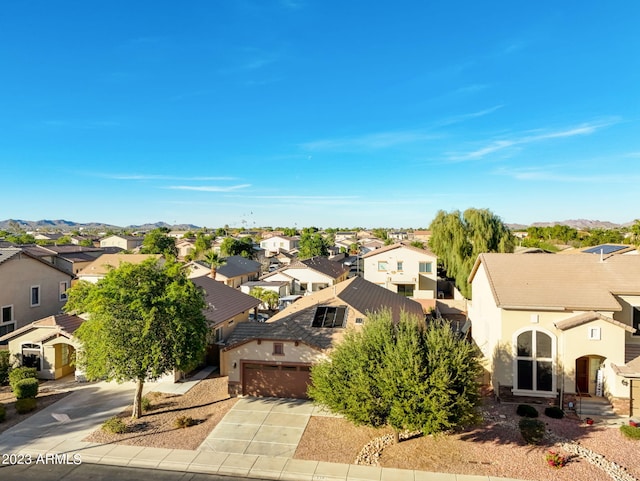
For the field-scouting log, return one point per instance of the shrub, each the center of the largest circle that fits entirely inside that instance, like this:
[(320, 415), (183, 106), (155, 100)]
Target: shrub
[(555, 460), (532, 430), (26, 388), (184, 422), (554, 412), (145, 403), (3, 412), (114, 425), (5, 367), (632, 432), (526, 411), (26, 405), (20, 373)]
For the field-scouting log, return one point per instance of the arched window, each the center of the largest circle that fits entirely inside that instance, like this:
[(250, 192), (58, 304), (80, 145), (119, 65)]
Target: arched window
[(534, 361)]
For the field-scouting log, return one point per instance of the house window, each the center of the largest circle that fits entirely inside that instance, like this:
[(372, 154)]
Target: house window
[(594, 333), (7, 314), (35, 296), (217, 335), (382, 265), (405, 290), (399, 266), (534, 361), (278, 349), (636, 320), (64, 285), (425, 267)]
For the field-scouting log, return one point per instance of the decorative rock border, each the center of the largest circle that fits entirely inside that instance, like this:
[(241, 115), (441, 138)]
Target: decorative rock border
[(370, 454)]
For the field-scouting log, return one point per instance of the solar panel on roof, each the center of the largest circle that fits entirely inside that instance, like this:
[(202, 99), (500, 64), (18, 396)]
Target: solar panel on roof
[(604, 249)]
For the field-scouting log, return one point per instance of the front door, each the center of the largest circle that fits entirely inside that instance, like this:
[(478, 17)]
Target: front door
[(582, 375)]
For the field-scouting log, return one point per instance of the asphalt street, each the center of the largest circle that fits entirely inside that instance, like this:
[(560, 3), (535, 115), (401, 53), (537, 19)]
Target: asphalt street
[(101, 472)]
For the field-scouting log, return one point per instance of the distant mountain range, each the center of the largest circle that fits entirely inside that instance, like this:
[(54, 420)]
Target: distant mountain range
[(61, 225)]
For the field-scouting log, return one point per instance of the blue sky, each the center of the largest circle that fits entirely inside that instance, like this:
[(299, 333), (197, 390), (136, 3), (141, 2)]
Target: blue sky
[(326, 113)]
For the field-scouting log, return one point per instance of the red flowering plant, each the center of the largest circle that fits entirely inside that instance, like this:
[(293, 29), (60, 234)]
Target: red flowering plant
[(555, 460)]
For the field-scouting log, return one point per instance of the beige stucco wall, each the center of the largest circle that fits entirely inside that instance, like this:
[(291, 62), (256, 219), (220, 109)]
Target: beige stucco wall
[(51, 352), (626, 315), (425, 284), (17, 275), (262, 351)]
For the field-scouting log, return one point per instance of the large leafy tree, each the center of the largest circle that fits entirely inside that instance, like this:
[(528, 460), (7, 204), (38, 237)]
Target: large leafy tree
[(458, 238), (312, 244), (143, 321), (268, 297), (408, 375), (237, 247), (157, 241)]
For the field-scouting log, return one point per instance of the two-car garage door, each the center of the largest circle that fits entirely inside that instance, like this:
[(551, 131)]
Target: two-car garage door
[(275, 380)]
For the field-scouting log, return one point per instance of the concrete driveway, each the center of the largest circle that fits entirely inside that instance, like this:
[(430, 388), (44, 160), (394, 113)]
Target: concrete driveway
[(263, 426)]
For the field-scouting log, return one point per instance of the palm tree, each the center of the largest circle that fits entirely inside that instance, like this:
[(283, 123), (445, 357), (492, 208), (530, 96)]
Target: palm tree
[(214, 260)]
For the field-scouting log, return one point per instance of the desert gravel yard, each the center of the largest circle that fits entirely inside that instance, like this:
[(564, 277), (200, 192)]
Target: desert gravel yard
[(45, 398), (494, 448)]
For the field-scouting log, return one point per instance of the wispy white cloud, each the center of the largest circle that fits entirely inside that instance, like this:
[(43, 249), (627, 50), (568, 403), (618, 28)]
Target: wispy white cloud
[(526, 138), (456, 119), (380, 140), (558, 174), (209, 188), (159, 177)]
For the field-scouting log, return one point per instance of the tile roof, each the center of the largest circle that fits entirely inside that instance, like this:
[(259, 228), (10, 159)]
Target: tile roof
[(398, 245), (236, 266), (320, 264), (632, 360), (224, 302), (294, 322), (8, 252), (585, 317), (103, 264), (57, 324), (580, 282)]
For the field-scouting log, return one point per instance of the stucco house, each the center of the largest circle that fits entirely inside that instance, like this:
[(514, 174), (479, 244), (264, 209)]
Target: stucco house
[(558, 327), (126, 242), (404, 269), (99, 268), (274, 358), (31, 289), (279, 243), (47, 345), (226, 308), (310, 275)]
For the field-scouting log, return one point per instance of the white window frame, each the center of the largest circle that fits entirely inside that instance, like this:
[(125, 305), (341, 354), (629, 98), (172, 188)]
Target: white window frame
[(594, 333), (554, 378), (10, 322), (63, 296), (428, 267), (383, 266), (31, 303)]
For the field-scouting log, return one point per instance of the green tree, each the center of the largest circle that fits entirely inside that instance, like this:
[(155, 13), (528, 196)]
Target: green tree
[(215, 261), (237, 247), (380, 233), (289, 231), (312, 244), (458, 238), (143, 321), (158, 242), (405, 374), (268, 297), (635, 232)]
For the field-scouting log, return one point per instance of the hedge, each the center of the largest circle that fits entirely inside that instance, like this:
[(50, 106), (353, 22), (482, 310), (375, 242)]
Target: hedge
[(26, 388)]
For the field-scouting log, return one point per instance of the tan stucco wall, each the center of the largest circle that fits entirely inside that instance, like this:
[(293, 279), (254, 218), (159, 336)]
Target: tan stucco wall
[(626, 315), (410, 274), (51, 354), (17, 275)]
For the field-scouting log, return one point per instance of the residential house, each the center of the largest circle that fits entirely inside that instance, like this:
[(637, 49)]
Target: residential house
[(350, 237), (237, 270), (185, 247), (279, 287), (31, 289), (99, 268), (48, 236), (70, 258), (310, 275), (279, 243), (368, 245), (557, 327), (226, 309), (48, 345), (421, 235), (125, 242), (398, 235), (274, 358), (407, 270)]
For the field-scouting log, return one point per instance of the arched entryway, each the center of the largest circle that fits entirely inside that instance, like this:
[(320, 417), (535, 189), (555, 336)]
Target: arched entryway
[(589, 380), (64, 363)]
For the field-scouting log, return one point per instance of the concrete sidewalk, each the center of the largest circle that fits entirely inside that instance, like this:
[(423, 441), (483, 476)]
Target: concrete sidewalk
[(60, 428)]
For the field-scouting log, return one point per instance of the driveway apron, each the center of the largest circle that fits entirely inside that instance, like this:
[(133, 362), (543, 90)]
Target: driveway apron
[(261, 426)]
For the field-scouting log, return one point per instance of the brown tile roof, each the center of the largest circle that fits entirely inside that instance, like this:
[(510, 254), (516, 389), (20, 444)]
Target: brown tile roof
[(632, 360), (585, 317), (64, 324), (319, 264), (398, 245), (236, 266), (559, 282), (224, 302), (294, 322)]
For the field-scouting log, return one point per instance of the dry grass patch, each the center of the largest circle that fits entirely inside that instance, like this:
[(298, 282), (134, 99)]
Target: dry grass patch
[(206, 403)]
